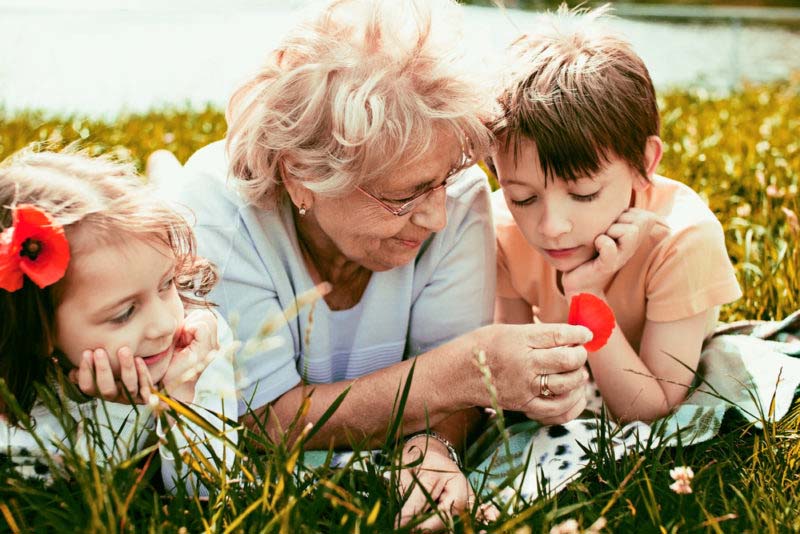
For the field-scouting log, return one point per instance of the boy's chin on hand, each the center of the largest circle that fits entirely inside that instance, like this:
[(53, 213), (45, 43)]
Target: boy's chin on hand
[(580, 280)]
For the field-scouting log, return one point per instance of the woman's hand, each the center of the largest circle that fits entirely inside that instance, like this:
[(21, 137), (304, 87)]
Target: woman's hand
[(518, 356), (441, 479), (614, 248), (195, 348), (95, 377)]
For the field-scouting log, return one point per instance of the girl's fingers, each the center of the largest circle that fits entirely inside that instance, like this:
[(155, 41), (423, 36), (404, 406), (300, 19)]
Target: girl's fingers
[(144, 379), (104, 377), (85, 374), (128, 373)]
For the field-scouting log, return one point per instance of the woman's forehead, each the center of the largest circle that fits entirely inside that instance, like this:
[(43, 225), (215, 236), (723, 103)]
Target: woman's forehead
[(431, 167)]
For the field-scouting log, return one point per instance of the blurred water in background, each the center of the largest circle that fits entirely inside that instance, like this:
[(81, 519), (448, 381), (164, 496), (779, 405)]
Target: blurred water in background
[(105, 56)]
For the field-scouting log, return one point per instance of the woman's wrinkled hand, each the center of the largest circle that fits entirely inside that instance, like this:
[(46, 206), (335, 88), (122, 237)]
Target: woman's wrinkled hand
[(431, 471), (518, 356)]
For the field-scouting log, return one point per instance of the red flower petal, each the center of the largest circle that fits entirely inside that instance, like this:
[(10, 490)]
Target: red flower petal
[(50, 264), (592, 312), (10, 273)]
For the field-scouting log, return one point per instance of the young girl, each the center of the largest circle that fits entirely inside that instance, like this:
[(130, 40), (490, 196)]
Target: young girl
[(95, 279)]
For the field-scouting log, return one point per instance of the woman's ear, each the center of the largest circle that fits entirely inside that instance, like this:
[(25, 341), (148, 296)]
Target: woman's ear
[(653, 150), (301, 196)]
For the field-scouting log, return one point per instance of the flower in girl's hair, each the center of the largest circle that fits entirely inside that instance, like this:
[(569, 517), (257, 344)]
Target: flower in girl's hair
[(592, 312), (683, 477), (34, 246)]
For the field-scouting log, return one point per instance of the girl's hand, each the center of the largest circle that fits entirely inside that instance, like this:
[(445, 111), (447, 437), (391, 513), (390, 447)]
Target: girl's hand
[(441, 479), (194, 350), (614, 248), (95, 377)]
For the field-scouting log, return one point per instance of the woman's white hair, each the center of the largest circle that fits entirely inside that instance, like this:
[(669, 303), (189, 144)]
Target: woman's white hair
[(362, 89)]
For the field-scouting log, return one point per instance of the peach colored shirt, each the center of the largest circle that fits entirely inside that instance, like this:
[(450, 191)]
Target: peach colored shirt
[(680, 271)]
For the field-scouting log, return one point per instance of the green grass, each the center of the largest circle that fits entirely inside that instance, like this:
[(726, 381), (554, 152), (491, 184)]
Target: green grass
[(741, 152)]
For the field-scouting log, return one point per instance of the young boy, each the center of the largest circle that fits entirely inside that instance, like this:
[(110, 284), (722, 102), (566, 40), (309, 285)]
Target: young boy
[(582, 210)]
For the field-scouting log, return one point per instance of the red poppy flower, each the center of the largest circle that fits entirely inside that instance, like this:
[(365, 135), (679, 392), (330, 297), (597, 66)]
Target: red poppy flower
[(34, 246), (592, 312)]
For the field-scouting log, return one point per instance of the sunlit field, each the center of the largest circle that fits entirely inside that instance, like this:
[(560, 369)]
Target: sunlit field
[(740, 152)]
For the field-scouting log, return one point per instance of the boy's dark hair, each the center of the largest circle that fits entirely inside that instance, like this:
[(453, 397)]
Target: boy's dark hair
[(580, 93)]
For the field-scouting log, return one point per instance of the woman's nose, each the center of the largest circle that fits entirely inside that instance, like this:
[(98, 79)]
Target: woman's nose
[(432, 213)]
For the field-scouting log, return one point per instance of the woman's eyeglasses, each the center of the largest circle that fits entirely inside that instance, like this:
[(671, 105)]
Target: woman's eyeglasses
[(415, 201)]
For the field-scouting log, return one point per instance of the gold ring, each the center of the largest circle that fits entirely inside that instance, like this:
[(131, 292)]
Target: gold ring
[(544, 391)]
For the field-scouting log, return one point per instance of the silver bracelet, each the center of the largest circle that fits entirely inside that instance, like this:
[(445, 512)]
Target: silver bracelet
[(451, 450)]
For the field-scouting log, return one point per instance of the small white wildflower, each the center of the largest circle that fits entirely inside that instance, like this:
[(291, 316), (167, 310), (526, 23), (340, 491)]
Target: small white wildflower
[(570, 526), (681, 487), (744, 210), (682, 473), (597, 526)]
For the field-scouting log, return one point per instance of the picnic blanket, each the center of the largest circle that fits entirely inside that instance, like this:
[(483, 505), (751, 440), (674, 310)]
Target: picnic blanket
[(749, 366)]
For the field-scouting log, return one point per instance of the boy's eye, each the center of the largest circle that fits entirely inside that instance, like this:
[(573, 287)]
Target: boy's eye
[(124, 316), (585, 198), (525, 202)]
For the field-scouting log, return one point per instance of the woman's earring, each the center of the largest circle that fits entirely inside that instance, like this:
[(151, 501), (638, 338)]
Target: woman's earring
[(302, 211)]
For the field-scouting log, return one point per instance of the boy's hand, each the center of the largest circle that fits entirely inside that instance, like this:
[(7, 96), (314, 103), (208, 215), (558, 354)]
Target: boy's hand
[(194, 350), (95, 377), (614, 248)]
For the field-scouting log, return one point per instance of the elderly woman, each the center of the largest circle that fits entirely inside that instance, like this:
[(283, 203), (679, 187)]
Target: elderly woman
[(349, 160)]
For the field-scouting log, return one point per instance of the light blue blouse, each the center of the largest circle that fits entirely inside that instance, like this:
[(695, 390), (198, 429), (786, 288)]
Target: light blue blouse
[(446, 291)]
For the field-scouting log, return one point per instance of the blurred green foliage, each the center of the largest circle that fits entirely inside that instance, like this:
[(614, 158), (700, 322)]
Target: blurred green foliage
[(741, 152)]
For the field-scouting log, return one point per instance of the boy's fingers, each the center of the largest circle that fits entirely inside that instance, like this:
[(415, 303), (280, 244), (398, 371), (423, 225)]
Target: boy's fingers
[(618, 230), (607, 253)]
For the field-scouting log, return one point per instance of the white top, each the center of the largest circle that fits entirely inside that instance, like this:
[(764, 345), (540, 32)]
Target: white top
[(447, 291), (121, 430)]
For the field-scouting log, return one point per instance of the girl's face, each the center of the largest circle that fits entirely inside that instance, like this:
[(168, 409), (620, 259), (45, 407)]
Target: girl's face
[(118, 296), (366, 233)]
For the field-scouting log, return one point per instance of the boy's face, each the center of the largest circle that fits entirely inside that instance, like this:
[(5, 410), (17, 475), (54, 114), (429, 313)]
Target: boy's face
[(562, 219), (121, 296)]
